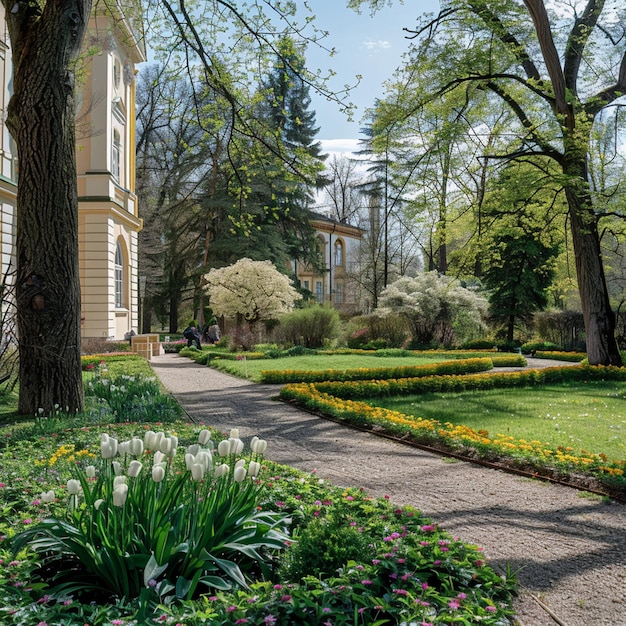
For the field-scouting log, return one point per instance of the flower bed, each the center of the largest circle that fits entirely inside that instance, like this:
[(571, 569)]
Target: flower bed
[(335, 400), (127, 514)]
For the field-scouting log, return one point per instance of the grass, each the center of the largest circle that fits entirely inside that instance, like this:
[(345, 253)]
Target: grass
[(590, 417), (252, 368)]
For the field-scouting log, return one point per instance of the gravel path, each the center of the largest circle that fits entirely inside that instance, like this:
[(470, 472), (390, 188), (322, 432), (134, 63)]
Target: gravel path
[(568, 551)]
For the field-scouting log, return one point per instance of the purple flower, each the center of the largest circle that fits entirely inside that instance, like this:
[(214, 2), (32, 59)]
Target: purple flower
[(270, 620), (454, 604)]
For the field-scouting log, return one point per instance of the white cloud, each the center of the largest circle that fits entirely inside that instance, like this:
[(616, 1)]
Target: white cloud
[(339, 146), (381, 44)]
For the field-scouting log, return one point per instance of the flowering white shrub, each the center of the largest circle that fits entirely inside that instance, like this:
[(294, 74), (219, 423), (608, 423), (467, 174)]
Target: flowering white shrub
[(255, 290)]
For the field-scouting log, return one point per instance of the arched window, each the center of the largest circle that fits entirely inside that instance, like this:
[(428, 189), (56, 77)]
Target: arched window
[(338, 254), (116, 155), (119, 277)]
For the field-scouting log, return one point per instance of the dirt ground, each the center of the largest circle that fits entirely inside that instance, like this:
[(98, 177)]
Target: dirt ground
[(566, 548)]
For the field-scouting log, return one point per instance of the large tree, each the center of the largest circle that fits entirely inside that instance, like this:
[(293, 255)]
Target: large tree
[(46, 40), (558, 72)]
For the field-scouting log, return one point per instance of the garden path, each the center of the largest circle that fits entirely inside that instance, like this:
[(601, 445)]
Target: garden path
[(568, 551)]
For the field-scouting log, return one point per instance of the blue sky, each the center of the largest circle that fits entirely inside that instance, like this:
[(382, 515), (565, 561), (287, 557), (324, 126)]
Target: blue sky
[(368, 45)]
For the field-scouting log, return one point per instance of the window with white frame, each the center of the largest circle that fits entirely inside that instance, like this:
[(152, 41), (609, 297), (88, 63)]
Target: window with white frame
[(119, 277), (116, 153)]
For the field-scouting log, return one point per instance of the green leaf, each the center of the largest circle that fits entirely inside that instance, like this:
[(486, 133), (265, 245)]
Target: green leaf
[(152, 570)]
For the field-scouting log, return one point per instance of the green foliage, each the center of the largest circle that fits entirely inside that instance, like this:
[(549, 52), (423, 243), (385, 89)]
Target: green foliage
[(373, 332), (379, 373), (134, 398), (311, 327), (325, 546), (169, 529), (540, 345)]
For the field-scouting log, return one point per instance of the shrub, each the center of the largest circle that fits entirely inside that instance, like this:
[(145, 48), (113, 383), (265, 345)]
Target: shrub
[(324, 546), (478, 344), (373, 332), (311, 327), (539, 345)]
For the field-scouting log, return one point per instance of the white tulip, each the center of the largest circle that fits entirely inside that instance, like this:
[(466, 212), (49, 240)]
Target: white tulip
[(234, 433), (136, 446), (90, 471), (254, 469), (206, 458), (190, 459), (236, 445), (223, 448), (48, 496), (193, 449), (98, 503), (197, 471), (240, 463), (73, 487), (119, 480), (239, 474), (204, 437), (174, 440), (149, 439), (253, 443), (120, 493), (108, 446), (117, 468), (134, 469), (221, 470), (260, 446), (158, 473), (158, 438), (159, 458), (166, 446), (123, 449)]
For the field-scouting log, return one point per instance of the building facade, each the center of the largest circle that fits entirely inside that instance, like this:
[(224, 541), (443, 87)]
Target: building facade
[(105, 156), (340, 246)]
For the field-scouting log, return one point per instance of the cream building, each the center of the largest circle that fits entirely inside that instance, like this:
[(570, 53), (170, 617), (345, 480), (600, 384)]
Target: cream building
[(339, 245), (108, 217)]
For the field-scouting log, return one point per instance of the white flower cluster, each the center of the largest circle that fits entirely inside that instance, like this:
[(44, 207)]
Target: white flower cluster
[(198, 460)]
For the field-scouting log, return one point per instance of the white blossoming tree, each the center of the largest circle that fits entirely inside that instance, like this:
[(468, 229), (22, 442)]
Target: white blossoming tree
[(438, 309), (250, 290)]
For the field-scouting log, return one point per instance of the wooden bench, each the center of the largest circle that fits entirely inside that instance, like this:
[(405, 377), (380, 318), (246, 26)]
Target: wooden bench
[(147, 345)]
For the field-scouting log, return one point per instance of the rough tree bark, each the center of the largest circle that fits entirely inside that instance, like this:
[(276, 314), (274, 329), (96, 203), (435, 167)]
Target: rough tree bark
[(45, 40)]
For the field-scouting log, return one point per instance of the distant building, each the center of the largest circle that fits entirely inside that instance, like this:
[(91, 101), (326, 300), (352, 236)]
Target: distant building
[(105, 136), (339, 245)]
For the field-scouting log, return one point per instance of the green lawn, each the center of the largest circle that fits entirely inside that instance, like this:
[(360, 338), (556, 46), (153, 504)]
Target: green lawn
[(252, 368), (591, 417)]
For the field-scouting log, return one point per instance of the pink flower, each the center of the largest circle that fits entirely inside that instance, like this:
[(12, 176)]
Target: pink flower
[(454, 604), (285, 598), (491, 609), (428, 528), (270, 620)]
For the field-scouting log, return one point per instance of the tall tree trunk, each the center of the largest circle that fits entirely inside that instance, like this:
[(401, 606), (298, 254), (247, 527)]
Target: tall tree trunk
[(41, 120), (594, 296)]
